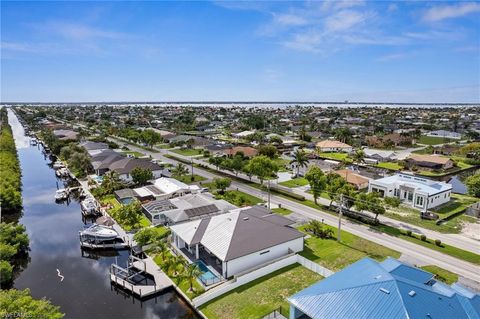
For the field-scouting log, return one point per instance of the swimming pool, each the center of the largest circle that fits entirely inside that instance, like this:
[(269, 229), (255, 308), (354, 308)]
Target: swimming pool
[(207, 277)]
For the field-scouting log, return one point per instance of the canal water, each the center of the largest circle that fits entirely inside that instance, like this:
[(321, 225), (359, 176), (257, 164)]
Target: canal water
[(85, 292)]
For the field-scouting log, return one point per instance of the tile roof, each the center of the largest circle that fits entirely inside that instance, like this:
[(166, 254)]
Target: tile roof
[(332, 144), (429, 158)]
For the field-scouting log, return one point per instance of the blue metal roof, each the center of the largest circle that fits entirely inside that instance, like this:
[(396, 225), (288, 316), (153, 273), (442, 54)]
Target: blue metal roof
[(391, 289)]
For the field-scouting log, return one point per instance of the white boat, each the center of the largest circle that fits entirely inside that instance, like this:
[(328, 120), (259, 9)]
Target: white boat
[(58, 165), (61, 194), (99, 233), (89, 206), (62, 172)]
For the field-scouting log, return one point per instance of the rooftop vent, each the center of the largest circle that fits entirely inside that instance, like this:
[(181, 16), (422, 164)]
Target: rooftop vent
[(385, 291), (412, 293), (378, 276), (245, 218)]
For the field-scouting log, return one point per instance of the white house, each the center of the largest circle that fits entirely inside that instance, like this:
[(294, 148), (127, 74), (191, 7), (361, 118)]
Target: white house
[(242, 134), (380, 155), (164, 188), (237, 241), (418, 192)]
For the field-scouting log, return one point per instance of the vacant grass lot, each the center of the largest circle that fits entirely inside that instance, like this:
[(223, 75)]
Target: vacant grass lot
[(187, 179), (296, 182), (434, 140), (239, 198), (336, 256), (446, 276), (389, 165), (262, 296), (187, 151)]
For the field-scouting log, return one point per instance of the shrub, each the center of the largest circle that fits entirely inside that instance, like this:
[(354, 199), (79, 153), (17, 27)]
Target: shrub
[(423, 238), (409, 233), (438, 242)]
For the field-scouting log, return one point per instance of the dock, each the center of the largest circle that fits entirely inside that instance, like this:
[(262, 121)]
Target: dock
[(122, 277)]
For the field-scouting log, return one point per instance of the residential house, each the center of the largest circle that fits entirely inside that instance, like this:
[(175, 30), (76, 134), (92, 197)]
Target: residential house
[(429, 161), (353, 178), (379, 155), (242, 134), (390, 289), (418, 192), (126, 165), (237, 241), (188, 207), (94, 148), (247, 151), (66, 135), (333, 146), (164, 188)]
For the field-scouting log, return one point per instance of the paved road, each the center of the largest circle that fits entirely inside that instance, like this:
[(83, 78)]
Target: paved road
[(416, 252)]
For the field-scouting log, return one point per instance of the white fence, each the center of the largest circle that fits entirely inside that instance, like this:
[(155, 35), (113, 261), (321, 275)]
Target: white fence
[(257, 273), (313, 266)]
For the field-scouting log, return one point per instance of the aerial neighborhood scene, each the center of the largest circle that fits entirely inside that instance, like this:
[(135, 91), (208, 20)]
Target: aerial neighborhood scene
[(240, 159)]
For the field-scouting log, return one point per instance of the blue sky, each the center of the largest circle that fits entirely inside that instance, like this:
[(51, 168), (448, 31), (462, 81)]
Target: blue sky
[(240, 51)]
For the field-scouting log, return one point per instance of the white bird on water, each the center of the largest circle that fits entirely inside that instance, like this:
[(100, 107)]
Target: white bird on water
[(59, 275)]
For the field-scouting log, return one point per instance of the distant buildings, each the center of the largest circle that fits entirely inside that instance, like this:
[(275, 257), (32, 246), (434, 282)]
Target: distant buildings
[(445, 134), (368, 289), (333, 146), (419, 193)]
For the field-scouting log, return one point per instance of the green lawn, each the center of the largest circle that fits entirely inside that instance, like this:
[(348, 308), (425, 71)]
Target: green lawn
[(261, 296), (187, 179), (282, 211), (187, 151), (457, 204), (282, 164), (110, 199), (336, 256), (389, 165), (239, 198), (433, 140), (336, 156), (177, 277), (446, 276), (163, 146), (296, 182)]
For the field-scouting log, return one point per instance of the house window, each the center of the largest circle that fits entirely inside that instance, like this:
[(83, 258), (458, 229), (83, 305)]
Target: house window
[(419, 201)]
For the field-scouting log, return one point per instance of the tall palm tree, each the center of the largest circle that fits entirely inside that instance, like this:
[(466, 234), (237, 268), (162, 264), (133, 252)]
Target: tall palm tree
[(192, 271), (180, 170), (160, 248), (300, 159)]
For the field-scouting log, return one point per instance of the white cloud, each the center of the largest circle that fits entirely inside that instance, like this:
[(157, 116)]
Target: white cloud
[(344, 20), (392, 57), (289, 19), (438, 13), (72, 31)]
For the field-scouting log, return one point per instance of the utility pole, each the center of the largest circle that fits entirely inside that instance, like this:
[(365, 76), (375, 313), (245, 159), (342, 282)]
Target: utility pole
[(340, 213), (268, 194), (191, 168)]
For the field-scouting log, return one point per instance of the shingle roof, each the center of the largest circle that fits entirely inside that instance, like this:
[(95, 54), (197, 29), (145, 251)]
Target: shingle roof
[(332, 144), (391, 289), (429, 158)]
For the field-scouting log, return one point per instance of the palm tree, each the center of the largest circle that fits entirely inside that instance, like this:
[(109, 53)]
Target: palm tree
[(160, 248), (180, 170), (358, 156), (300, 159), (192, 271)]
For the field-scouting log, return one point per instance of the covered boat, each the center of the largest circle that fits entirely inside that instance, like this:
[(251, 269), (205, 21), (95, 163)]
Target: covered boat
[(99, 233), (61, 194), (89, 206)]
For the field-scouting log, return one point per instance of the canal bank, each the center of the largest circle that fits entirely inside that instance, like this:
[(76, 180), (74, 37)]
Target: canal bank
[(85, 291)]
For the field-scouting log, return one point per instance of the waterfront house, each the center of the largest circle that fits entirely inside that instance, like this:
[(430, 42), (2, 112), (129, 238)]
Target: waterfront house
[(333, 146), (429, 161), (66, 135), (418, 192), (164, 188), (188, 207), (126, 165), (390, 289), (94, 148), (237, 241)]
